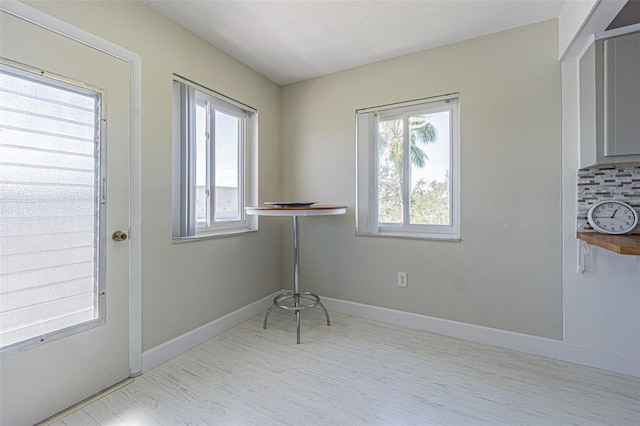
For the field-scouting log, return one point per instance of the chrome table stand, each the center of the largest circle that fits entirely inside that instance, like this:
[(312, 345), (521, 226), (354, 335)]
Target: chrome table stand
[(298, 300)]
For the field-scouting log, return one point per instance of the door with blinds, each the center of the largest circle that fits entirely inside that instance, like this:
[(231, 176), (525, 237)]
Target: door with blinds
[(64, 203)]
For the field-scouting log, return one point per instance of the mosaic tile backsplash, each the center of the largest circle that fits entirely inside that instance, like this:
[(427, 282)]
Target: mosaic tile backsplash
[(607, 183)]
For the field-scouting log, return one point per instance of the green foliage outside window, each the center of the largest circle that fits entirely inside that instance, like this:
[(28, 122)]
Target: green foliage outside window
[(429, 201)]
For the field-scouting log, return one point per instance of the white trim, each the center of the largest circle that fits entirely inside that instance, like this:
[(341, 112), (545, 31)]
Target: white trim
[(617, 32), (65, 29), (242, 107), (178, 345), (367, 120), (556, 349), (579, 20), (408, 105), (593, 357)]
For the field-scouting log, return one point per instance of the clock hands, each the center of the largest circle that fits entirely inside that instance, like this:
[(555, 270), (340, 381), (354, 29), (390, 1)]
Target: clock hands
[(612, 217), (619, 220)]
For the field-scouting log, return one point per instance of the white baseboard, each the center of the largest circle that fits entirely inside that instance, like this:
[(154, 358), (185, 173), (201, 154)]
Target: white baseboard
[(174, 347), (550, 348)]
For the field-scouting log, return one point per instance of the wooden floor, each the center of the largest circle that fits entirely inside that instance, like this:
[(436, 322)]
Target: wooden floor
[(360, 372)]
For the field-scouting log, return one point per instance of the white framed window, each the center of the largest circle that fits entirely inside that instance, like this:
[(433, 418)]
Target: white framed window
[(214, 139), (408, 169), (51, 207)]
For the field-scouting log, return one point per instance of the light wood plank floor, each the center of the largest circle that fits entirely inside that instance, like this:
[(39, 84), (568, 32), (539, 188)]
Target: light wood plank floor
[(359, 372)]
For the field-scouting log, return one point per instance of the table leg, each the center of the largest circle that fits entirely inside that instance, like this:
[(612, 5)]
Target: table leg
[(296, 256), (296, 273), (296, 295)]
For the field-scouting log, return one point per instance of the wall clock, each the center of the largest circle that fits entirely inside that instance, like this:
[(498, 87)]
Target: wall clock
[(612, 217)]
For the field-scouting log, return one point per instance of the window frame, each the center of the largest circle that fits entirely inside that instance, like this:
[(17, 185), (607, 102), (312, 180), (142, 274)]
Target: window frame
[(38, 76), (367, 223), (186, 95)]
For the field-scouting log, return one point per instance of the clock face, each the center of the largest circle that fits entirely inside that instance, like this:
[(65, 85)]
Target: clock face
[(612, 217)]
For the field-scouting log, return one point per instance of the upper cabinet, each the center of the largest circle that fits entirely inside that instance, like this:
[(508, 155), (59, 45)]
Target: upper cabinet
[(609, 82), (610, 101), (622, 96)]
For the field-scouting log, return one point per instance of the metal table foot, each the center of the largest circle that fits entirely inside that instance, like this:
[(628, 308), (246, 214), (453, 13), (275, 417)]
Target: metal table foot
[(281, 300)]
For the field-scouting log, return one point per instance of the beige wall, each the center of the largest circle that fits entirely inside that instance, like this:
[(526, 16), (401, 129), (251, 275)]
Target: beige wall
[(506, 272), (187, 285)]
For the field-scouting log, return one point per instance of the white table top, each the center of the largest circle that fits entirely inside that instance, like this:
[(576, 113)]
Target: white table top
[(296, 211)]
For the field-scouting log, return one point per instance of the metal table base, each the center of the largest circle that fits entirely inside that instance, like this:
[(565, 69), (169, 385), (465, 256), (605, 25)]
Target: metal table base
[(291, 300)]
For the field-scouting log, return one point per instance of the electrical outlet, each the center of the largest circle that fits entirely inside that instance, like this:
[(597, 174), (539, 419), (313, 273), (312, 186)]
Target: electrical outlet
[(402, 279)]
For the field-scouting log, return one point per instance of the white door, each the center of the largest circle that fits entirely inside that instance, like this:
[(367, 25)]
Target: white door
[(46, 378)]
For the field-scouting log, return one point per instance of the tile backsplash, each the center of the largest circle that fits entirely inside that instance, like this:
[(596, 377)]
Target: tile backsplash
[(597, 184)]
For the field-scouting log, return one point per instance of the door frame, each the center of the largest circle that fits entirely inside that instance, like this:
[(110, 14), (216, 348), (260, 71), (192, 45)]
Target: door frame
[(41, 19)]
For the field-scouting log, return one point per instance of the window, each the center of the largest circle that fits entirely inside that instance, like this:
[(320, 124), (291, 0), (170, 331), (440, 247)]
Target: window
[(408, 169), (214, 137), (51, 210)]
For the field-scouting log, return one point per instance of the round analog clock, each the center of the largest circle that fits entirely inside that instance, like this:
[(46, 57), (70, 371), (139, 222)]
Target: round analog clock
[(612, 217)]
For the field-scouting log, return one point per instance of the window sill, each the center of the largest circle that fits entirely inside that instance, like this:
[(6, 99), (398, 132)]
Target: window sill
[(213, 235), (411, 236)]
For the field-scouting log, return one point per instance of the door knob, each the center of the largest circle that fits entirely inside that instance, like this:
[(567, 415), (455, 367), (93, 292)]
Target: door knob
[(119, 236)]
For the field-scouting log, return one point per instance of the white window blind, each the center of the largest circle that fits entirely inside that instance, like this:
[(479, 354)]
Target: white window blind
[(213, 179), (49, 207)]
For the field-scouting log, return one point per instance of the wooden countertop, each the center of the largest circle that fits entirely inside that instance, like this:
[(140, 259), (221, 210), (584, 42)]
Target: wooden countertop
[(621, 244)]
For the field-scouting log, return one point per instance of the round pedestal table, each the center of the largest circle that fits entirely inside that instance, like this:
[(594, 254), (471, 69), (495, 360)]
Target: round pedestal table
[(296, 300)]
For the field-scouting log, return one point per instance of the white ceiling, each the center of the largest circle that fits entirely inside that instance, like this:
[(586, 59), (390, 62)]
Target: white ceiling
[(289, 41)]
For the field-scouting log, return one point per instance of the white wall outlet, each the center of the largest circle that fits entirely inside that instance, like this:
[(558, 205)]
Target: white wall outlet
[(402, 279)]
